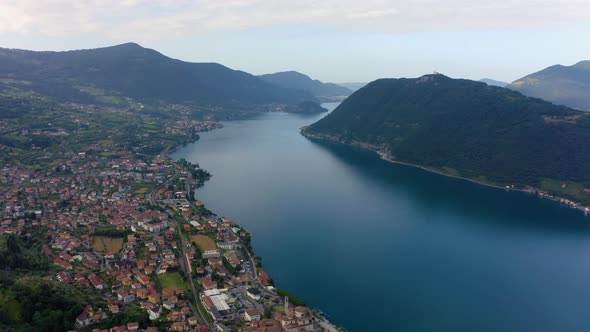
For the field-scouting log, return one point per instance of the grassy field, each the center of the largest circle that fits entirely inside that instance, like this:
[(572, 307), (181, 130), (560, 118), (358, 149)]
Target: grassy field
[(572, 189), (105, 245), (171, 280), (450, 171), (140, 188), (204, 242)]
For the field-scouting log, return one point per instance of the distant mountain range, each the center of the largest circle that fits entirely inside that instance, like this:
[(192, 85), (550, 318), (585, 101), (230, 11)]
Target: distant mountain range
[(492, 82), (302, 82), (468, 129), (353, 86), (145, 75), (562, 85)]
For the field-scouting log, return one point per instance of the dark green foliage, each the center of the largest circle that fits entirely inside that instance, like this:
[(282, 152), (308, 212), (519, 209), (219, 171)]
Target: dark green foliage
[(111, 74), (27, 302), (295, 80), (229, 267), (196, 172), (21, 252), (112, 232), (563, 85), (218, 279), (292, 298), (479, 131), (39, 305)]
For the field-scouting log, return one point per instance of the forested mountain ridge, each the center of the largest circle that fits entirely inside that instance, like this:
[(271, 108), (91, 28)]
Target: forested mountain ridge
[(468, 129), (144, 75)]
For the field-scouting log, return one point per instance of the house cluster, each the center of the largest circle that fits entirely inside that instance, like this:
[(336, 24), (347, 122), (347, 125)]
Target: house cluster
[(80, 191), (564, 201), (186, 127), (124, 227)]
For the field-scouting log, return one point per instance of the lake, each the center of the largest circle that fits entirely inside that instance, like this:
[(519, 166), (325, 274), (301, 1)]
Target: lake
[(385, 247)]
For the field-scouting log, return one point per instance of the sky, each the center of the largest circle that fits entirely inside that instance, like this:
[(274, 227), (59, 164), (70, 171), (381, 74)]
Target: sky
[(330, 40)]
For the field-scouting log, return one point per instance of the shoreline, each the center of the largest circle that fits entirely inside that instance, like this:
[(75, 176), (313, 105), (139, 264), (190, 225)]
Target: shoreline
[(386, 157), (325, 323)]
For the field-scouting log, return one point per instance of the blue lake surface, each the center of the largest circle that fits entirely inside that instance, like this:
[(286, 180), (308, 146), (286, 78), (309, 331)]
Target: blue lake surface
[(384, 247)]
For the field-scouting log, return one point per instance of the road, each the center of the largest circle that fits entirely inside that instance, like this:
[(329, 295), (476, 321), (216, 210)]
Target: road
[(185, 264), (184, 261)]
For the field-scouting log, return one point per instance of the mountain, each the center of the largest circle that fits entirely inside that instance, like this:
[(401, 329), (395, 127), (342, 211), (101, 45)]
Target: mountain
[(562, 85), (468, 129), (308, 107), (492, 82), (295, 80), (145, 75), (353, 86)]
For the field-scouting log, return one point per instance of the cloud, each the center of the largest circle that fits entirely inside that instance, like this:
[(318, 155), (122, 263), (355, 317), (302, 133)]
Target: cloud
[(157, 19)]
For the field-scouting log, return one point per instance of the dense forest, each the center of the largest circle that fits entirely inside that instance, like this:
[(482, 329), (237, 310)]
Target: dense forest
[(466, 128)]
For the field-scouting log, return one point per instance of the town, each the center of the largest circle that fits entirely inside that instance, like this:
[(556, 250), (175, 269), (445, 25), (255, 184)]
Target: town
[(131, 232)]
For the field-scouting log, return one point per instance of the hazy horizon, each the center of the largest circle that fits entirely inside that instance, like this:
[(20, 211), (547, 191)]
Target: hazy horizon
[(333, 41)]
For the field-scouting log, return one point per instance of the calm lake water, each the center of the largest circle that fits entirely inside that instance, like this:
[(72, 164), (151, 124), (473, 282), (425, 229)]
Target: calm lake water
[(383, 247)]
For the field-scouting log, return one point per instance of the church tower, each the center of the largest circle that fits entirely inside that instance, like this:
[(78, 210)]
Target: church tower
[(286, 305)]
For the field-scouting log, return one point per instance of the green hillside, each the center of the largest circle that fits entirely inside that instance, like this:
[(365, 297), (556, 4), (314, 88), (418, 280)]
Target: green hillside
[(112, 74), (466, 128)]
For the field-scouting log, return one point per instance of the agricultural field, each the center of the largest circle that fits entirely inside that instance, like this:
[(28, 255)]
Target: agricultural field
[(103, 244), (204, 242)]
